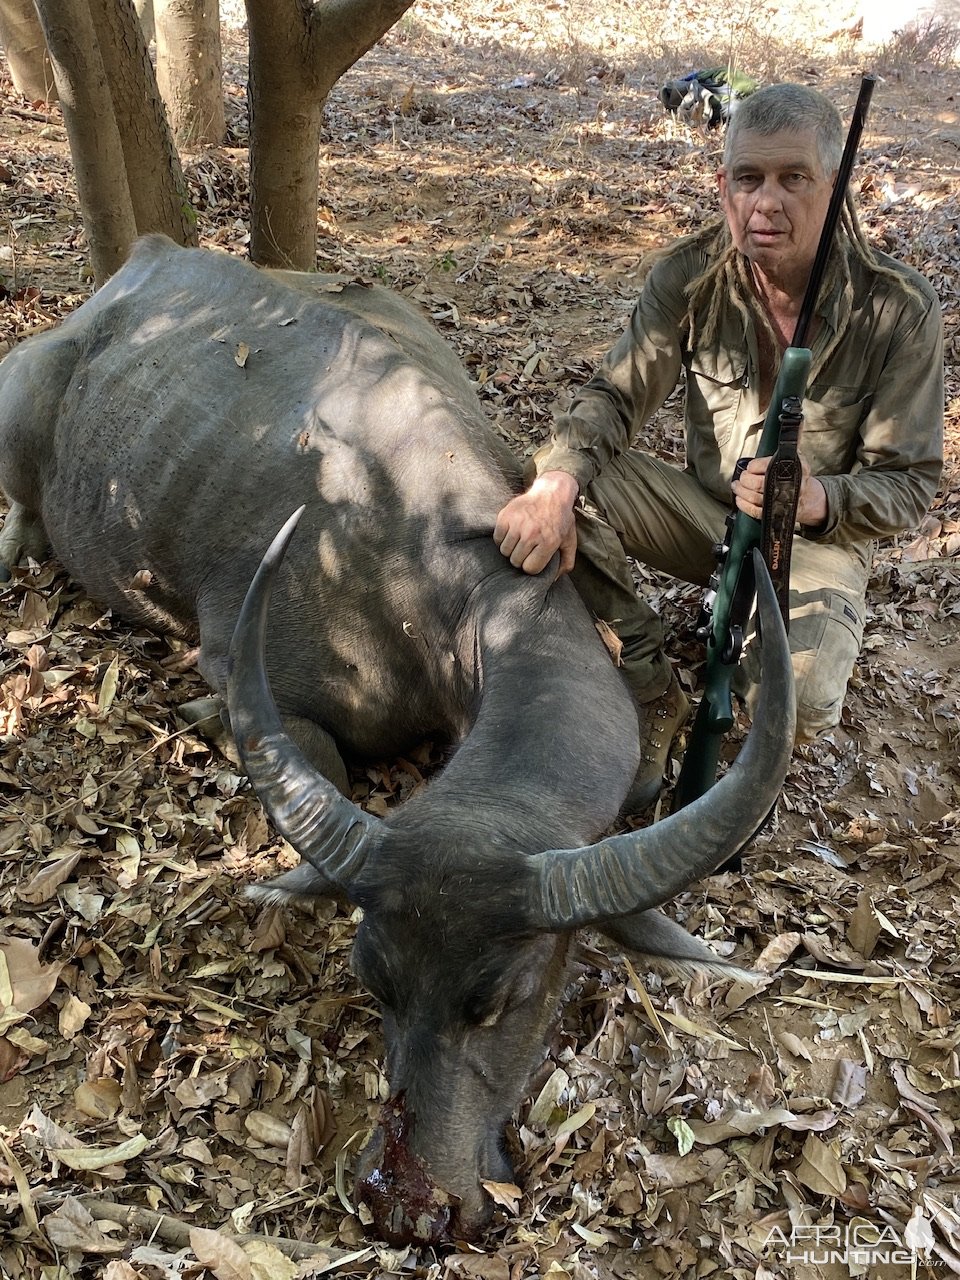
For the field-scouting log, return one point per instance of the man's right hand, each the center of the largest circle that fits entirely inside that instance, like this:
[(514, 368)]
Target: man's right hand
[(533, 526)]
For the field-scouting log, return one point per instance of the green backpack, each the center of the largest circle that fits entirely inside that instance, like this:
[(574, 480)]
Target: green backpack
[(707, 97)]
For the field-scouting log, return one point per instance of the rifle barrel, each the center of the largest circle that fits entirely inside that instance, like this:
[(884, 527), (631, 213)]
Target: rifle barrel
[(867, 85)]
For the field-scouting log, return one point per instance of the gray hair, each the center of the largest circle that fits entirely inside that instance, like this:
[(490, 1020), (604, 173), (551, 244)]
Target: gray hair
[(789, 108)]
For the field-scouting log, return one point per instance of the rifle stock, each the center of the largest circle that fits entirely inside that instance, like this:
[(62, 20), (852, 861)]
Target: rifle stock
[(726, 615)]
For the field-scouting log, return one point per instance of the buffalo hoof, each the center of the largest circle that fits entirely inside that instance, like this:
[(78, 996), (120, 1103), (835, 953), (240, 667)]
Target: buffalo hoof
[(205, 715)]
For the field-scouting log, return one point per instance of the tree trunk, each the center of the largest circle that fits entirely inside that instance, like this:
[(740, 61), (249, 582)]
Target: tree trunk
[(92, 129), (22, 41), (189, 70), (284, 138), (298, 51), (157, 186)]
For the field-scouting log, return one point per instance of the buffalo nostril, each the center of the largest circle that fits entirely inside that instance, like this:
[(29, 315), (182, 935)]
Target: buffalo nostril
[(404, 1203), (472, 1216), (404, 1210)]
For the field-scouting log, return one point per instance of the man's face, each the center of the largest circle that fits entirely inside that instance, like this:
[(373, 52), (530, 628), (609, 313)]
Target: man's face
[(775, 197)]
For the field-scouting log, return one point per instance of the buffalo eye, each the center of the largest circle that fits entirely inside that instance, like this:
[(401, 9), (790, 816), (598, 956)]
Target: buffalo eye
[(484, 1008)]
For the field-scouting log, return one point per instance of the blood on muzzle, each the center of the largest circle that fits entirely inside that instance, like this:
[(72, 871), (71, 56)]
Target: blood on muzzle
[(405, 1204)]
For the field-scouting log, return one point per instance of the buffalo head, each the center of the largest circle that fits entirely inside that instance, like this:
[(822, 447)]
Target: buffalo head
[(467, 922)]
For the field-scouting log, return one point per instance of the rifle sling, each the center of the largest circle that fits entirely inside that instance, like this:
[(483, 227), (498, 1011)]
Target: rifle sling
[(781, 497)]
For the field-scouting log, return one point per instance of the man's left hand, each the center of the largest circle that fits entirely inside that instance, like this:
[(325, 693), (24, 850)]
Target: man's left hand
[(748, 491)]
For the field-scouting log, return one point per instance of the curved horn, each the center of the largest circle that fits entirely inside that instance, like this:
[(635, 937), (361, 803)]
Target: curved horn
[(642, 869), (307, 809)]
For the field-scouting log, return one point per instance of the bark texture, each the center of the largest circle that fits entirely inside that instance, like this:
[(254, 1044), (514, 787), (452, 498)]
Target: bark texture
[(158, 190), (87, 106), (298, 51), (189, 70), (23, 44)]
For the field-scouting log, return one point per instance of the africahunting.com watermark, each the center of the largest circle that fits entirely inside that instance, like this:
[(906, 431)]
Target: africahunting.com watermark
[(860, 1244)]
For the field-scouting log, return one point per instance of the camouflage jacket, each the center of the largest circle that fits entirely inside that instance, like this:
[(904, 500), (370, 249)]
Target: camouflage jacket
[(873, 412)]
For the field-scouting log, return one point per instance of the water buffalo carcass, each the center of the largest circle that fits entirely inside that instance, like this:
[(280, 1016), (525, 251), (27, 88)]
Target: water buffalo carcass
[(171, 424)]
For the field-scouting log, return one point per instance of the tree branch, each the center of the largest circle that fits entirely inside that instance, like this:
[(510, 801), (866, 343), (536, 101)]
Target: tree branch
[(341, 31), (171, 1230)]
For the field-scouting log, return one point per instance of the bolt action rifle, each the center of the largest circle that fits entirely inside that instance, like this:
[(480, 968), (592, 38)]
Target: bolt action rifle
[(728, 602)]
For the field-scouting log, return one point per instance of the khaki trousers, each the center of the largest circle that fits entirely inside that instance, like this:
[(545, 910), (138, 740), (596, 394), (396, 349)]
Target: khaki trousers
[(661, 516)]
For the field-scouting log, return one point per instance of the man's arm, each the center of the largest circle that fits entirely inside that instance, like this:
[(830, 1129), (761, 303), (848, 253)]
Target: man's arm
[(898, 449), (533, 526), (899, 455), (749, 488)]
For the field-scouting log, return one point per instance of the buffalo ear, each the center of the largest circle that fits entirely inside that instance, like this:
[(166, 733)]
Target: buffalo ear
[(304, 881), (651, 933)]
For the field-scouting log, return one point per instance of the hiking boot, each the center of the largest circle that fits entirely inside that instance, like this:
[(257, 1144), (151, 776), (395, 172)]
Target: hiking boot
[(659, 722)]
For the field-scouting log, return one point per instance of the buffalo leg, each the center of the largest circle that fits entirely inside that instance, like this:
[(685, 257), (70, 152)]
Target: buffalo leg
[(23, 535), (315, 743), (320, 749)]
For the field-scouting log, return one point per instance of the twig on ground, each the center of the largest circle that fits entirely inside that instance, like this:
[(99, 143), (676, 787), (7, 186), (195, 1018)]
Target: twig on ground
[(161, 1226)]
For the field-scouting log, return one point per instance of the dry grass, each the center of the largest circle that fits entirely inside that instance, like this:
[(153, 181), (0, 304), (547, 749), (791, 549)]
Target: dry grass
[(930, 42)]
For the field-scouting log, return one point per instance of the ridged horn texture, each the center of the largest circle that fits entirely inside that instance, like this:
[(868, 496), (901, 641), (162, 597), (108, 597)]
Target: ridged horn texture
[(642, 869), (322, 825)]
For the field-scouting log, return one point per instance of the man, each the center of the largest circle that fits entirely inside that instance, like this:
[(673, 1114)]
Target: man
[(720, 307)]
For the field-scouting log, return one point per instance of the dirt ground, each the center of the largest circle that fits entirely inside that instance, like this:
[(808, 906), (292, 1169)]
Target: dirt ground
[(167, 1045)]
